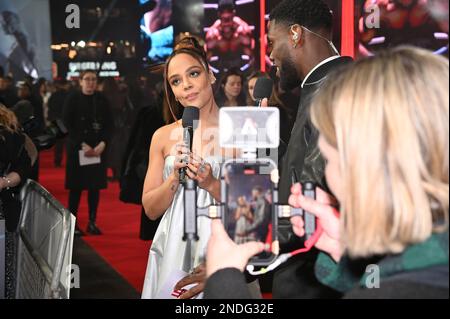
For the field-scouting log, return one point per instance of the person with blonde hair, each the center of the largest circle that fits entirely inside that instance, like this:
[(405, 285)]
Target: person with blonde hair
[(15, 166), (15, 163), (384, 131)]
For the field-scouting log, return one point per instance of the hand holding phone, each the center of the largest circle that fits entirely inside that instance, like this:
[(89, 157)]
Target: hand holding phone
[(322, 208), (223, 252)]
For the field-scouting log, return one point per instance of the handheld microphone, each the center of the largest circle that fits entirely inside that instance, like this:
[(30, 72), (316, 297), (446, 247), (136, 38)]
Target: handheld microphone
[(263, 90), (190, 115)]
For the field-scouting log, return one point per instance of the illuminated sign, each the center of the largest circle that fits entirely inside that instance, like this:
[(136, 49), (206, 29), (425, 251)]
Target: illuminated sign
[(105, 69)]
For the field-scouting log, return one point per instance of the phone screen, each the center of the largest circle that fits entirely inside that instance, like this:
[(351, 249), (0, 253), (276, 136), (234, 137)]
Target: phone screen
[(248, 214)]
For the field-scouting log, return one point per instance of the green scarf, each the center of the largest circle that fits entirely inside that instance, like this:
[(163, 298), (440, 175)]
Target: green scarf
[(344, 276)]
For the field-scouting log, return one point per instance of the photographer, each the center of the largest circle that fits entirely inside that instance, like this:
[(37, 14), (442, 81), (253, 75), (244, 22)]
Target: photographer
[(25, 95), (55, 112), (383, 126)]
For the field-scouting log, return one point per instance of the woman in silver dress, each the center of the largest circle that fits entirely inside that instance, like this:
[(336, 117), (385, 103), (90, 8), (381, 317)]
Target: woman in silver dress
[(188, 82)]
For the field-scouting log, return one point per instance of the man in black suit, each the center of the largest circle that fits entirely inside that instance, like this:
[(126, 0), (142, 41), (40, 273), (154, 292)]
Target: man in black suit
[(300, 33)]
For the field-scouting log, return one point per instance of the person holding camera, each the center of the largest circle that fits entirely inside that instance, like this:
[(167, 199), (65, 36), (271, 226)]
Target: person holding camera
[(383, 124), (55, 112), (37, 125)]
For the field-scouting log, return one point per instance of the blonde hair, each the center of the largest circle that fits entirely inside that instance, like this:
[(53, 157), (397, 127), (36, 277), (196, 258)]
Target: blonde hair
[(8, 120), (388, 117)]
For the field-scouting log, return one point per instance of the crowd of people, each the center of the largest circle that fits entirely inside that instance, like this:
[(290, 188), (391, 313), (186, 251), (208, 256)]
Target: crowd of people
[(36, 104), (371, 134)]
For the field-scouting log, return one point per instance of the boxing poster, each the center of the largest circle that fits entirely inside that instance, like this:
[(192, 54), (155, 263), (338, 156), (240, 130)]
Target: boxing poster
[(24, 39)]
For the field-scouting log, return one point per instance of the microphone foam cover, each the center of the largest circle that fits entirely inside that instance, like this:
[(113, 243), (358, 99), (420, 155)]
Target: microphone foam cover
[(263, 88), (190, 114)]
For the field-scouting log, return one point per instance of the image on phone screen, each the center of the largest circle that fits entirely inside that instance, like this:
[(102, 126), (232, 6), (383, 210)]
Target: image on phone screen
[(249, 205)]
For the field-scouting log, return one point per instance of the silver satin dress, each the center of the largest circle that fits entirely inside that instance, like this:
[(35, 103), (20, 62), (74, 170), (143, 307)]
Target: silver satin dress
[(168, 251)]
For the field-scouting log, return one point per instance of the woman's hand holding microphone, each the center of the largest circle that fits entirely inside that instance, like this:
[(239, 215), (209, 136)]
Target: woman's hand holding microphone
[(196, 168)]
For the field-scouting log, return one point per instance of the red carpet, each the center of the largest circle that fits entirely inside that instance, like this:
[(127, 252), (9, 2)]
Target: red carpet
[(119, 245)]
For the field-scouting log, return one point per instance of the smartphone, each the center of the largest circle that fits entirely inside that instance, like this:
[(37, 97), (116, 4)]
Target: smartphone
[(249, 213)]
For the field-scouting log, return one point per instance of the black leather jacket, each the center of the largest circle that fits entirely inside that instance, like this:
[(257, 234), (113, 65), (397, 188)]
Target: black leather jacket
[(303, 155)]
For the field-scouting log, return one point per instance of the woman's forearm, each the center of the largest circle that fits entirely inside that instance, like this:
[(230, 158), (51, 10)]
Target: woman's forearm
[(157, 201)]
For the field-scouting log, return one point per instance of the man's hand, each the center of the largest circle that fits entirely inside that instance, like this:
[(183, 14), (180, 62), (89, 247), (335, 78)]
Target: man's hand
[(197, 276)]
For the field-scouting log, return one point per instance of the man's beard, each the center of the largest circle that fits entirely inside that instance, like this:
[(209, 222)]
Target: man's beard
[(288, 75)]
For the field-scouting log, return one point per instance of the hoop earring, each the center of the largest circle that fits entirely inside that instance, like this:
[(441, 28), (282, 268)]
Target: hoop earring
[(295, 39)]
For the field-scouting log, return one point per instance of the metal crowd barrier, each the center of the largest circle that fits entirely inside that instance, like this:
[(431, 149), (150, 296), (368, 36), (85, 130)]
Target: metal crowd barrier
[(2, 255), (44, 252)]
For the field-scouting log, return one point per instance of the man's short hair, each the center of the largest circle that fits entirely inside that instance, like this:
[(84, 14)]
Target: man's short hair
[(312, 14), (226, 5)]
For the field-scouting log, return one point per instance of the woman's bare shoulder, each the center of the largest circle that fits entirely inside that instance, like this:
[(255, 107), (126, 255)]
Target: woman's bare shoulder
[(166, 131), (167, 136)]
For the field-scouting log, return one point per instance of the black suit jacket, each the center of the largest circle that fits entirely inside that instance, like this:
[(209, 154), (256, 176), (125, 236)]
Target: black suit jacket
[(303, 157)]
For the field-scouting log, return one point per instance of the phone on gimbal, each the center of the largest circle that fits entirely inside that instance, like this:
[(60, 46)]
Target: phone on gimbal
[(249, 213), (249, 205)]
